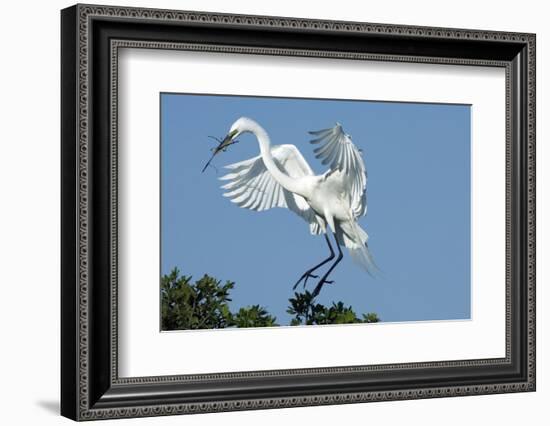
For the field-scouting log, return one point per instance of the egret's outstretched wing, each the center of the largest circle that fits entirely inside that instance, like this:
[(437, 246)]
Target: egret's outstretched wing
[(251, 185), (338, 151)]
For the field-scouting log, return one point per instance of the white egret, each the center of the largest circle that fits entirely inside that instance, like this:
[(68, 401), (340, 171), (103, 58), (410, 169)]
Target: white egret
[(281, 177)]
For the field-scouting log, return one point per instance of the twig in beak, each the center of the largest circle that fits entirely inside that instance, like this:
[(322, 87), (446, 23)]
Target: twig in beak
[(222, 146)]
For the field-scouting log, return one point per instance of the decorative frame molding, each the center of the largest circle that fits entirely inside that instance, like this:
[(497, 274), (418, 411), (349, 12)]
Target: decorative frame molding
[(91, 37)]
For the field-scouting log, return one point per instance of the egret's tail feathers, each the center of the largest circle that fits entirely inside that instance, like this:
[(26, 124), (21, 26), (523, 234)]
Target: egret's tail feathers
[(362, 257), (354, 238)]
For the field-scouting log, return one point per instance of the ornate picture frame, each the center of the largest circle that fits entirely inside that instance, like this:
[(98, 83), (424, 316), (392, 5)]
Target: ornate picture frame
[(91, 38)]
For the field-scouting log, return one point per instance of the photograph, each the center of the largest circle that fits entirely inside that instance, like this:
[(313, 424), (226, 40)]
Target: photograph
[(263, 209), (280, 211)]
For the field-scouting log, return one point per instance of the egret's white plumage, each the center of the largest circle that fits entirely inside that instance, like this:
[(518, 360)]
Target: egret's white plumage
[(281, 177), (253, 187), (338, 151)]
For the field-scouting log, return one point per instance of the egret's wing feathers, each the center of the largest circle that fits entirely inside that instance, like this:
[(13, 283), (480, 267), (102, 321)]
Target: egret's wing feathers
[(338, 152), (250, 185)]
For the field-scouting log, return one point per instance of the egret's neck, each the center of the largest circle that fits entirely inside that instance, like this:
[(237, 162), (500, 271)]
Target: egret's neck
[(290, 184)]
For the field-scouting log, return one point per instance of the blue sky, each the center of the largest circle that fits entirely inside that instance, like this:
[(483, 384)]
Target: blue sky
[(418, 193)]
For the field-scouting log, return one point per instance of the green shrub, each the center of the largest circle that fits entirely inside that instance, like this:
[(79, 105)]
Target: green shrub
[(204, 305)]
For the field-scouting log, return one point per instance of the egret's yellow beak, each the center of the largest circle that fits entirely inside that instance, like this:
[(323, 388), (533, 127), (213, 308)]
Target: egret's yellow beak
[(228, 140)]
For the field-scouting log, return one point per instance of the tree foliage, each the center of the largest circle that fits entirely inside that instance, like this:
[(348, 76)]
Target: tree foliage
[(204, 304), (193, 306), (307, 312), (253, 316)]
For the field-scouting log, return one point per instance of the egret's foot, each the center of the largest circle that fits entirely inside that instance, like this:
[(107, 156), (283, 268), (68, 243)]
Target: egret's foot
[(304, 278), (319, 286), (324, 281)]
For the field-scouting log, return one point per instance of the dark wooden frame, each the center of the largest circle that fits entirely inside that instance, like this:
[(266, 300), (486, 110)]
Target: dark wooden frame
[(90, 386)]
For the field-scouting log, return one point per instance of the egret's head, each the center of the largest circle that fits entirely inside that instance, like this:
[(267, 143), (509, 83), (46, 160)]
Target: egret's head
[(242, 125), (239, 127)]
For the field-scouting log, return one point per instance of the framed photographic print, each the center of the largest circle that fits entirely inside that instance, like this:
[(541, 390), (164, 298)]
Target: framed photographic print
[(263, 212)]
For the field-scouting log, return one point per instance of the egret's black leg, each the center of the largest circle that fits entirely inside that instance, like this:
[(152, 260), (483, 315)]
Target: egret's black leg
[(308, 273), (324, 280)]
